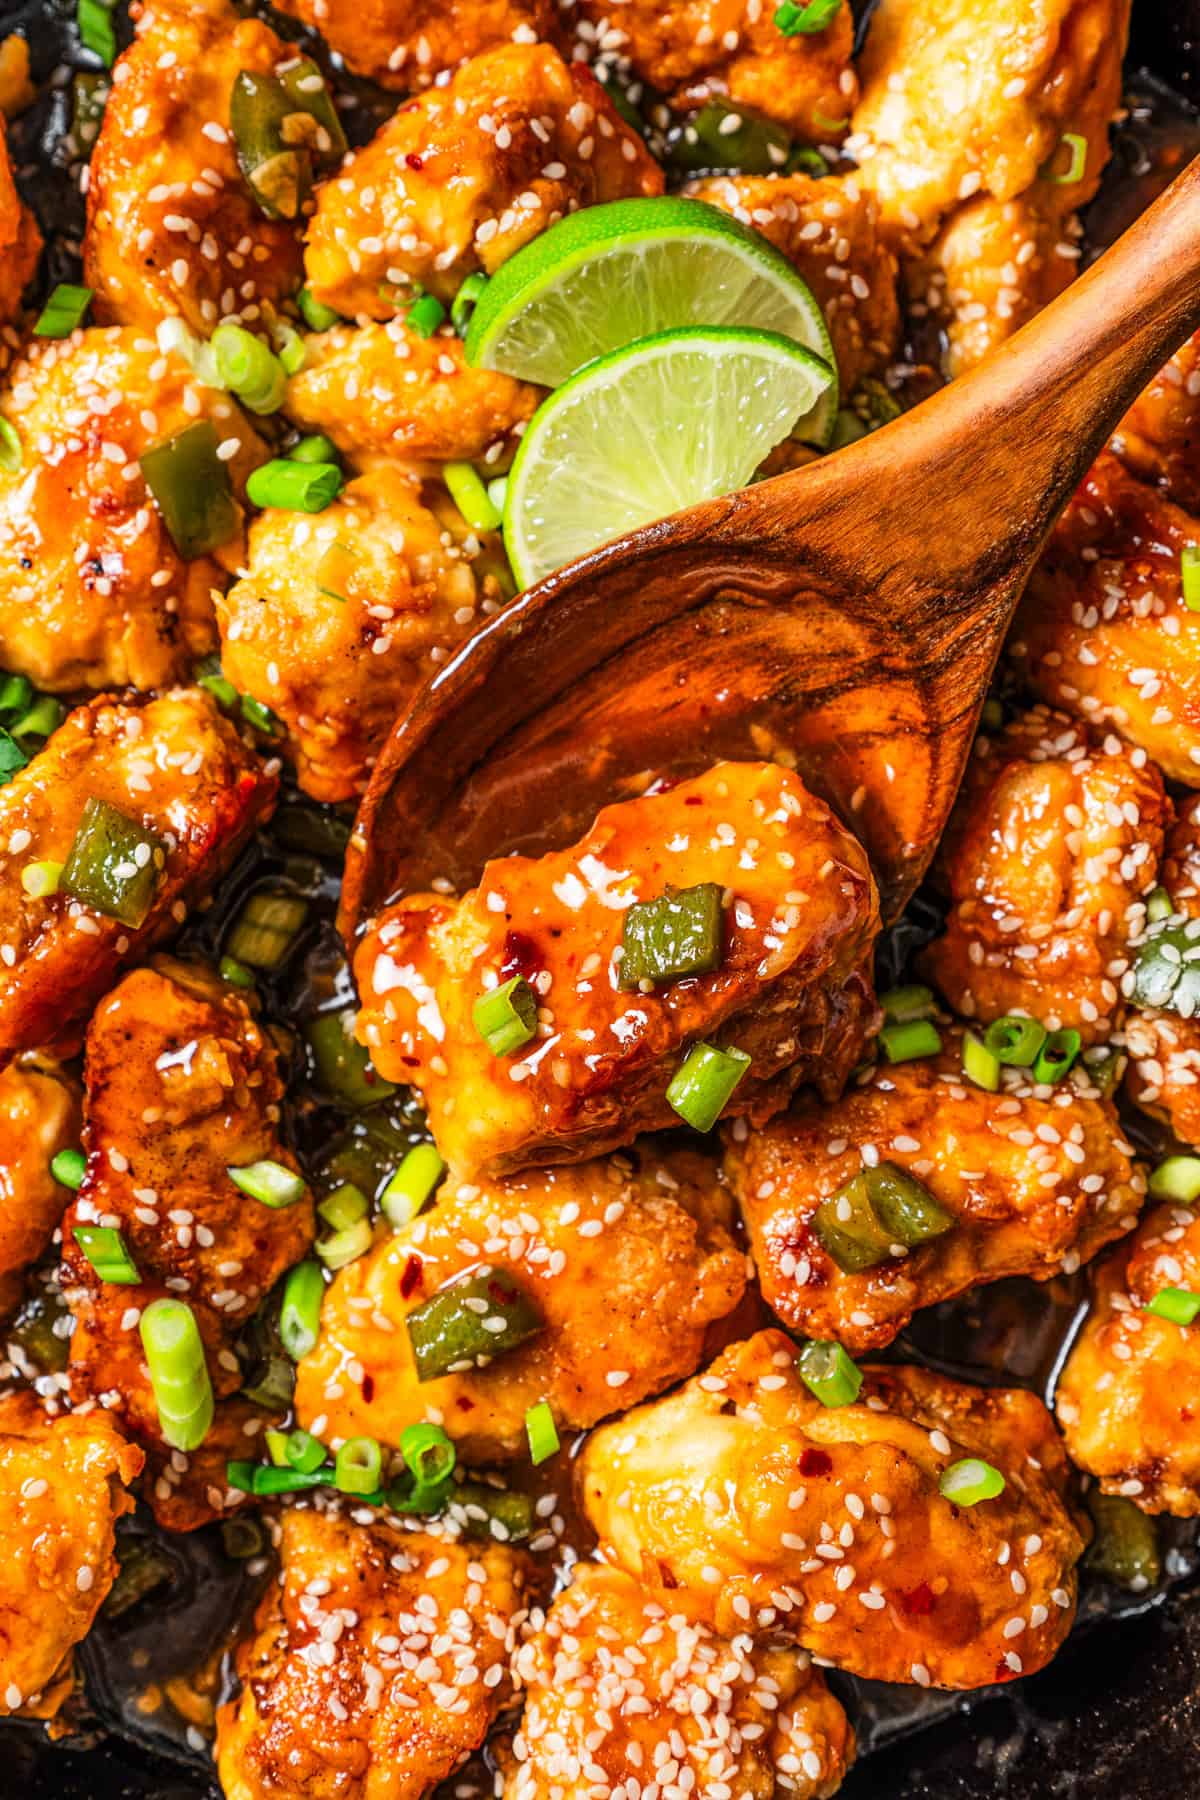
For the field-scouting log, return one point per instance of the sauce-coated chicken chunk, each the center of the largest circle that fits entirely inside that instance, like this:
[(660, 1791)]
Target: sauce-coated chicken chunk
[(340, 617), (1029, 1180), (692, 51), (828, 1524), (93, 592), (791, 988), (1126, 1400), (181, 1084), (627, 1261), (171, 780), (1103, 630), (39, 1116), (1159, 437), (173, 228), (20, 240), (407, 44), (1164, 1047), (1050, 854), (378, 1663), (62, 1490), (623, 1679), (460, 178)]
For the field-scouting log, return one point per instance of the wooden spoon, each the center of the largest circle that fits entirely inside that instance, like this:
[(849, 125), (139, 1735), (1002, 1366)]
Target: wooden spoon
[(846, 616)]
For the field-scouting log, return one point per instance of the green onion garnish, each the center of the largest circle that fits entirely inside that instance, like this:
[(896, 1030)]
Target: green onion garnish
[(345, 1246), (268, 1182), (469, 1322), (828, 1373), (11, 452), (314, 449), (412, 1184), (69, 1167), (114, 864), (94, 19), (428, 1453), (1056, 1055), (1015, 1041), (425, 315), (108, 1253), (191, 486), (266, 1479), (1177, 1178), (679, 933), (65, 310), (266, 928), (289, 347), (806, 162), (41, 879), (316, 315), (358, 1467), (542, 1433), (506, 1016), (344, 1207), (235, 973), (1189, 574), (901, 1004), (795, 18), (303, 1451), (1159, 906), (276, 1442), (980, 1064), (470, 496), (968, 1482), (704, 1082), (300, 1313), (907, 1042), (466, 300), (249, 369), (1178, 1305), (178, 1372), (259, 716), (291, 486), (207, 674), (1078, 146)]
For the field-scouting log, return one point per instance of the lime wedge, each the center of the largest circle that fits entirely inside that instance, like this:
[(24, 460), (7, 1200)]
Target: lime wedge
[(665, 422), (608, 275)]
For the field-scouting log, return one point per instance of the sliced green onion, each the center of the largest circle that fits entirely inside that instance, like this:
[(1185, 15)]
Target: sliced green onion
[(344, 1207), (1125, 1546), (290, 486), (795, 18), (260, 716), (703, 1084), (1159, 906), (968, 1482), (174, 339), (276, 1442), (1177, 1178), (114, 864), (506, 1016), (289, 347), (345, 1246), (12, 757), (94, 19), (65, 310), (1056, 1055), (239, 1474), (907, 1042), (828, 1373), (192, 489), (470, 496), (1015, 1041), (266, 928), (269, 1480), (108, 1253), (268, 1182), (980, 1065), (429, 1454), (542, 1433), (249, 369), (208, 676), (679, 933), (300, 1313), (42, 719), (11, 451), (411, 1185), (343, 1065), (1078, 146), (1189, 575), (41, 879), (358, 1466), (316, 315), (806, 162), (69, 1167), (466, 300), (235, 972), (425, 315), (314, 449), (303, 1451), (901, 1004), (1178, 1306), (178, 1372), (450, 1332)]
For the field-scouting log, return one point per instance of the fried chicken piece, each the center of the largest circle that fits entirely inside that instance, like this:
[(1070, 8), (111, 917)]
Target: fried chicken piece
[(377, 1664), (174, 768), (339, 618), (692, 50), (792, 989), (39, 1116), (1158, 440), (93, 592), (627, 1260), (1126, 1399), (1036, 1180), (1050, 853), (463, 176), (826, 1524), (828, 229), (182, 1083), (20, 240), (1163, 1076), (407, 44), (1103, 630), (621, 1676), (382, 390), (173, 229), (63, 1486)]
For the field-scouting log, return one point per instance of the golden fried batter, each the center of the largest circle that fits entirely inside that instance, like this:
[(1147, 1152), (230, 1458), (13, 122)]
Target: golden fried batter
[(827, 1524), (39, 1116), (20, 240), (1164, 1049), (1159, 438), (407, 44)]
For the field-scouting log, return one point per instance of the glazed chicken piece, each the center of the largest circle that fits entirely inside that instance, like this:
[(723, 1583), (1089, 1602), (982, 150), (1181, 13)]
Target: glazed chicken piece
[(460, 178), (1163, 1076), (1030, 1180), (377, 1664), (1052, 848), (182, 1084), (1159, 438), (93, 592), (791, 991), (622, 1679), (173, 229), (382, 390), (171, 780), (63, 1486), (39, 1116), (828, 229), (1103, 630), (340, 617), (826, 1524), (692, 51), (1126, 1399), (20, 240), (627, 1262), (407, 44)]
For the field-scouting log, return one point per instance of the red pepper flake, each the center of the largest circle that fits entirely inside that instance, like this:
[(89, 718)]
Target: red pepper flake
[(410, 1280), (414, 161), (521, 956), (920, 1602), (815, 1462), (368, 1388)]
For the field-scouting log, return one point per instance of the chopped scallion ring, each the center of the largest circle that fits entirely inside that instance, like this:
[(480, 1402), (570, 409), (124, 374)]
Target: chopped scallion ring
[(207, 674), (980, 1064), (680, 933), (41, 879), (259, 716), (1056, 1056), (249, 368), (269, 1480), (542, 1433), (907, 1042), (69, 1167), (901, 1004), (108, 1253), (1189, 575), (470, 496), (829, 1374), (300, 1313), (466, 300), (268, 1182), (344, 1207), (11, 450), (345, 1246), (428, 1453), (1160, 905), (358, 1468), (1179, 1306), (506, 1016), (1078, 146), (289, 347), (303, 1451), (968, 1482), (276, 1442), (1016, 1041), (192, 489), (94, 19), (235, 973), (178, 1372), (703, 1084), (316, 315), (290, 486), (411, 1185), (314, 449), (801, 18), (425, 315), (65, 310), (1177, 1178)]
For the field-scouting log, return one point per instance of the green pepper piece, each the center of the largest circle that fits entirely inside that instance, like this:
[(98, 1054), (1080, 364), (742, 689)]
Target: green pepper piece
[(904, 1207), (679, 933), (1166, 971), (115, 864), (191, 486), (848, 1230), (481, 1509), (343, 1066), (304, 85), (753, 146), (280, 178), (1125, 1547), (447, 1333)]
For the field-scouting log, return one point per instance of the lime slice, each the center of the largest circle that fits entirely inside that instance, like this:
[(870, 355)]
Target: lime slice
[(657, 426), (611, 274)]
